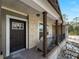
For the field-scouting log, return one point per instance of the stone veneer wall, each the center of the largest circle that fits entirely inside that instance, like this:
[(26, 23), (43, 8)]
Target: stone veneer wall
[(59, 29)]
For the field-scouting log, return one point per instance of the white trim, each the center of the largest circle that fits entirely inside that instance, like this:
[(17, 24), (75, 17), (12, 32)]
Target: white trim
[(38, 31), (15, 11), (8, 32)]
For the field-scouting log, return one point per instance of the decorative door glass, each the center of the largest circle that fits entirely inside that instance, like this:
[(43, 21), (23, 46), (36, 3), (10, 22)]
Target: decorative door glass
[(17, 26)]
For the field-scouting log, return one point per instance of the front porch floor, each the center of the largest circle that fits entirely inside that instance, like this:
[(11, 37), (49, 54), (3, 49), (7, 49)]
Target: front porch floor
[(1, 56), (29, 54)]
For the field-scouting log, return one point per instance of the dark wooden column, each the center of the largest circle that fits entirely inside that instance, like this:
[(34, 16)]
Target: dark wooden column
[(61, 30), (28, 30), (56, 31), (45, 33), (78, 57)]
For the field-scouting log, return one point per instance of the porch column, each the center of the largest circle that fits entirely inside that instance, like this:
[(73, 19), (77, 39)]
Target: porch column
[(44, 33), (56, 31), (61, 31)]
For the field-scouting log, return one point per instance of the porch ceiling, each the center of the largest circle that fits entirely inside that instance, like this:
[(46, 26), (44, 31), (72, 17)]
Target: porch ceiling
[(43, 5)]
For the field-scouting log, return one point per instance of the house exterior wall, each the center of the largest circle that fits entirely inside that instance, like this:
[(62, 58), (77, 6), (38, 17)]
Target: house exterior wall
[(33, 21), (59, 29), (4, 13), (3, 32), (0, 29)]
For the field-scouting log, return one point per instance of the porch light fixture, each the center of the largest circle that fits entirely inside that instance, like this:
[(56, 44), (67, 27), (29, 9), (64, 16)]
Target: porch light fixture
[(38, 15)]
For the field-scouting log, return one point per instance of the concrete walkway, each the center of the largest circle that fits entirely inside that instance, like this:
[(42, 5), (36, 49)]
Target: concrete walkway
[(73, 38)]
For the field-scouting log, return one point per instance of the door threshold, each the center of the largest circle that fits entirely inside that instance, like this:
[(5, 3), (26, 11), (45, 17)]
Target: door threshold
[(15, 52)]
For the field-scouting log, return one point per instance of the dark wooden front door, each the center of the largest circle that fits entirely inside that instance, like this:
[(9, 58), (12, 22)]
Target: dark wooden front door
[(17, 35)]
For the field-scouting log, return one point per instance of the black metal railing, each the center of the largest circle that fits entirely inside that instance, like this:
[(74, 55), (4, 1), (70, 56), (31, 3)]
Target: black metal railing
[(61, 38), (52, 41)]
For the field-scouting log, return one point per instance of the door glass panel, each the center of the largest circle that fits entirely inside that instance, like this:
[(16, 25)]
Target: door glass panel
[(17, 26)]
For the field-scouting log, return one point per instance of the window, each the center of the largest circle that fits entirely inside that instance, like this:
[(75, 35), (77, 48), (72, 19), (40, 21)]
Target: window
[(41, 30)]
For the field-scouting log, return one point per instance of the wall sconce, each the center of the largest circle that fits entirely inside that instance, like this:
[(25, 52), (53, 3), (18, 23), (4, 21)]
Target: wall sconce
[(38, 15)]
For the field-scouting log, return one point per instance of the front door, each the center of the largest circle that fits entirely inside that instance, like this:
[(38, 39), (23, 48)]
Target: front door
[(17, 35)]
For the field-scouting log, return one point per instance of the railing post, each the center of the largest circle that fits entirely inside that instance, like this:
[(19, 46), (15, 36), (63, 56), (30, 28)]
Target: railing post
[(56, 28), (44, 33)]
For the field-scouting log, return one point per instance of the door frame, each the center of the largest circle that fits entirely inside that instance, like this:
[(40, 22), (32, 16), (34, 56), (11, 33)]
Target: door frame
[(8, 32)]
